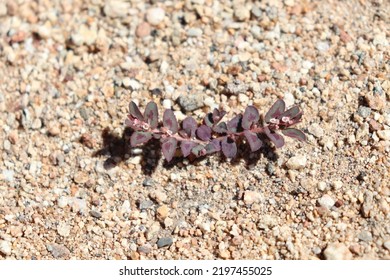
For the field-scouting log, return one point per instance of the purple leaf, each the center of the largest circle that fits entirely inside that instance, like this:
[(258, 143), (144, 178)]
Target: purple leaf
[(218, 115), (199, 150), (220, 128), (254, 141), (139, 137), (277, 139), (295, 133), (213, 146), (251, 116), (204, 132), (291, 113), (151, 114), (189, 126), (169, 148), (229, 147), (135, 112), (234, 123), (169, 121), (186, 147), (276, 110)]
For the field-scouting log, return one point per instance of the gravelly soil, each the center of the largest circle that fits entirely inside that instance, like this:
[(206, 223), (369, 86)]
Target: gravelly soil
[(71, 187)]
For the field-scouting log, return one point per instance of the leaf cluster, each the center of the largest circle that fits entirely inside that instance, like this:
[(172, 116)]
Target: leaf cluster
[(213, 134)]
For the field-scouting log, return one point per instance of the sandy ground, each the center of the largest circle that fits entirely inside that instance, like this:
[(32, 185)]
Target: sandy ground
[(71, 187)]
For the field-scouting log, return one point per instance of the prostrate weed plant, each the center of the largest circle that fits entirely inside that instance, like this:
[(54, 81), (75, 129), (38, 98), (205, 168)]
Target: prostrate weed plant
[(213, 135)]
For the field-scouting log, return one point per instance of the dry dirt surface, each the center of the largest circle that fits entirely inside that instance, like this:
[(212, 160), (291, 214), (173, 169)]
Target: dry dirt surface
[(71, 187)]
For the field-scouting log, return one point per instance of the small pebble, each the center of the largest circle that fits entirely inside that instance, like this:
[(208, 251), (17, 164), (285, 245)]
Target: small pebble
[(58, 251), (95, 214), (242, 13), (386, 244), (316, 130), (190, 102), (251, 197), (145, 204), (164, 241), (365, 236), (5, 247), (194, 32), (63, 229), (148, 182), (143, 30), (297, 162), (364, 111), (326, 201), (155, 15), (384, 134), (337, 251), (162, 212)]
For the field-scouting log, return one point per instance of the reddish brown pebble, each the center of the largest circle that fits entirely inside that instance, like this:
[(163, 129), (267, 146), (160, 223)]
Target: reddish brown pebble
[(339, 203), (143, 30)]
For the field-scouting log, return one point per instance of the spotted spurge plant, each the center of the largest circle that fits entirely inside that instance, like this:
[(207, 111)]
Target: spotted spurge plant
[(213, 135)]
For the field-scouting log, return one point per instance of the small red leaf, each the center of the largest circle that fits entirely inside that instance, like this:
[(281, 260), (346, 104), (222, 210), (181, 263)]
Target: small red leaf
[(199, 150), (234, 123), (139, 137), (204, 132), (251, 116), (135, 112), (186, 147), (295, 133), (151, 114), (276, 110), (277, 139), (253, 140), (229, 147), (213, 146), (291, 113), (169, 148), (169, 121), (189, 125)]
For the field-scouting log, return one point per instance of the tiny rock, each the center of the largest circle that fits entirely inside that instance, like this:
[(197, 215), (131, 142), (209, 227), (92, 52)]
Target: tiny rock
[(297, 162), (80, 177), (63, 229), (155, 15), (5, 247), (162, 212), (337, 251), (365, 236), (251, 197), (384, 134), (242, 13), (58, 251), (116, 8), (143, 30), (326, 201), (164, 241), (316, 130)]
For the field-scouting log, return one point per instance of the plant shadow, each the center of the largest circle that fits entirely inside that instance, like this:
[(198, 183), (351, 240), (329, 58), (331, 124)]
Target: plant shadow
[(117, 149)]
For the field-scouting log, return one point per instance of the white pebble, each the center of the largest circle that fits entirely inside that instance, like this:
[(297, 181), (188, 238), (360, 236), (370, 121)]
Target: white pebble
[(384, 134), (63, 229), (316, 130), (326, 201), (167, 104), (155, 15), (296, 162), (337, 251), (5, 247)]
